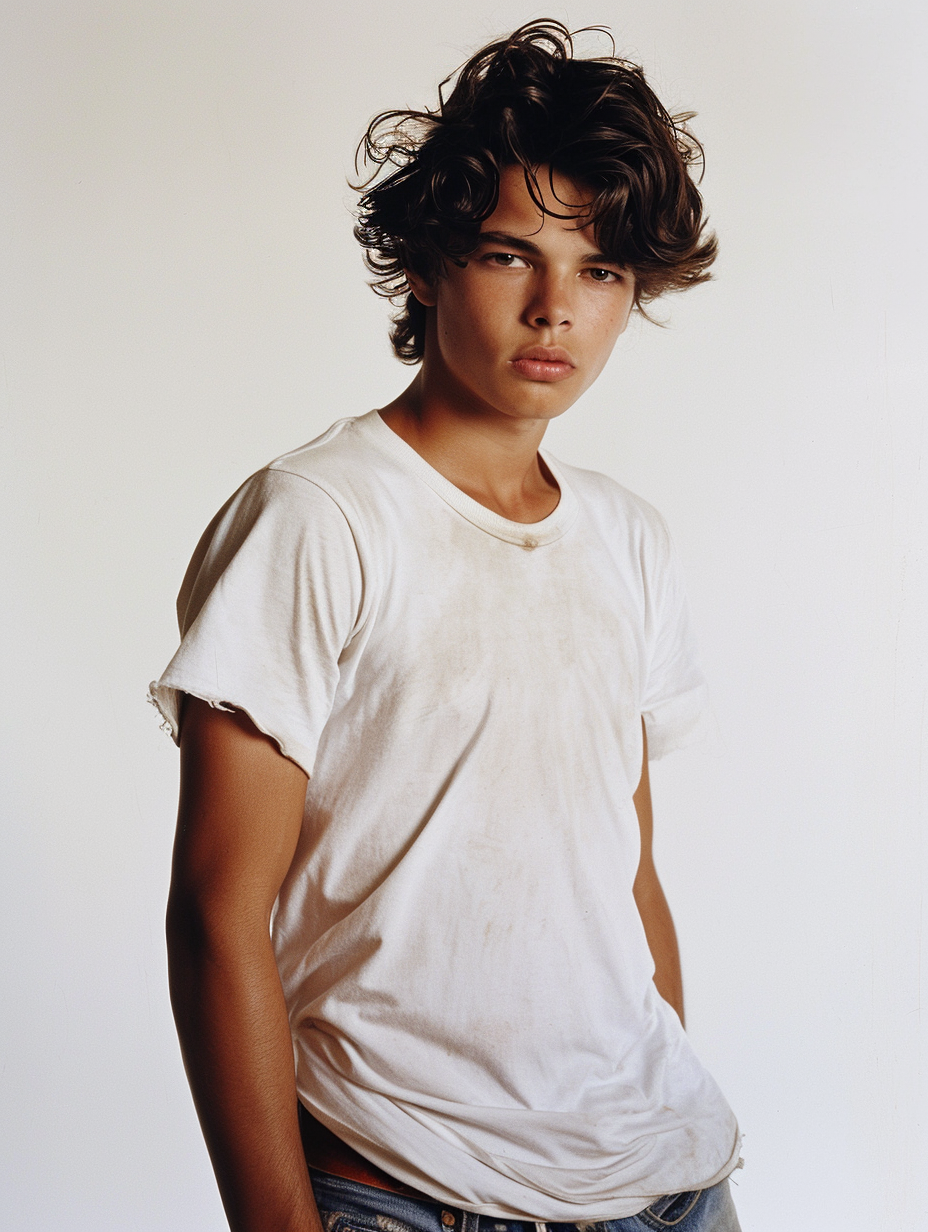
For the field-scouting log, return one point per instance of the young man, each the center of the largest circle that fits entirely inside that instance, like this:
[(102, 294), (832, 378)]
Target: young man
[(414, 916)]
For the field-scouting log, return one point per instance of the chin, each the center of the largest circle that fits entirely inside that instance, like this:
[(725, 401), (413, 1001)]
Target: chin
[(529, 403), (535, 412)]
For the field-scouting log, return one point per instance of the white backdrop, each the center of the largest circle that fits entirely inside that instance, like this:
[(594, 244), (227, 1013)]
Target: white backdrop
[(184, 300)]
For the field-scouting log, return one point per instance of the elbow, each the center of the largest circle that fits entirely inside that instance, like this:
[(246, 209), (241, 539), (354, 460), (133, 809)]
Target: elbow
[(189, 938), (205, 943), (212, 923), (186, 926)]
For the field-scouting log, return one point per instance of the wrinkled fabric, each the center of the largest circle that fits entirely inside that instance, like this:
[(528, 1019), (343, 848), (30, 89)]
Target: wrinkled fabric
[(467, 977)]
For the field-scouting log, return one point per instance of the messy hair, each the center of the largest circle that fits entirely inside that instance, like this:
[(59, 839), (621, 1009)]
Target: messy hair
[(528, 101)]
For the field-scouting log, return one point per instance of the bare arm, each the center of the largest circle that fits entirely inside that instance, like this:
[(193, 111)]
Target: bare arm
[(241, 807), (651, 903)]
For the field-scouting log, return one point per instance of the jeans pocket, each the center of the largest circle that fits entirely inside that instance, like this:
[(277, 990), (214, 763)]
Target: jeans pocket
[(350, 1221), (671, 1209), (349, 1206)]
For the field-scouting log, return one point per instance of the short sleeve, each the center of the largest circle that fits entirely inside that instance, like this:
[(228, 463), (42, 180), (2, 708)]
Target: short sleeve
[(268, 604), (675, 698)]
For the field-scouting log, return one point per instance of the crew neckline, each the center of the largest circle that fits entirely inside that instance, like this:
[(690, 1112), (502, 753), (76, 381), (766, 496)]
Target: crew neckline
[(527, 535)]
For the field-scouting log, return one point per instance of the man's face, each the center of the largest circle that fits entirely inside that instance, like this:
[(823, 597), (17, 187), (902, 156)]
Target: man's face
[(529, 322)]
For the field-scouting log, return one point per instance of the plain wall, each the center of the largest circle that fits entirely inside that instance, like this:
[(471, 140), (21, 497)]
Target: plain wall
[(183, 300)]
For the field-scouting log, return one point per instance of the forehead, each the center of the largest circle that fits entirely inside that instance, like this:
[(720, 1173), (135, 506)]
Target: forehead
[(521, 214)]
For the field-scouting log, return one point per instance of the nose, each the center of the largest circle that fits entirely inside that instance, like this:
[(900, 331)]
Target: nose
[(550, 305)]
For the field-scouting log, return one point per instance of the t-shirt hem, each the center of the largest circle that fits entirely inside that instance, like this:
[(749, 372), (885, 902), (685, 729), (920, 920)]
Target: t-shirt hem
[(610, 1210)]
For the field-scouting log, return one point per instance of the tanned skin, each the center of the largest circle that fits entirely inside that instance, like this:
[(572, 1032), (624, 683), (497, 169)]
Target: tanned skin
[(473, 411), (651, 903), (241, 808), (476, 411)]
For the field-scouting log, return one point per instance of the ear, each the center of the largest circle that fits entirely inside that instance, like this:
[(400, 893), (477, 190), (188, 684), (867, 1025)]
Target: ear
[(422, 290)]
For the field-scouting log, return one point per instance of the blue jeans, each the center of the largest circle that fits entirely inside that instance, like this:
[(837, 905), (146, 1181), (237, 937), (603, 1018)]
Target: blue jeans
[(348, 1206)]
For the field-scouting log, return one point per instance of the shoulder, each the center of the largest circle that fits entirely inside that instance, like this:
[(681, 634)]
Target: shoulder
[(317, 483), (322, 455), (617, 513), (350, 466), (290, 519), (344, 459), (275, 507)]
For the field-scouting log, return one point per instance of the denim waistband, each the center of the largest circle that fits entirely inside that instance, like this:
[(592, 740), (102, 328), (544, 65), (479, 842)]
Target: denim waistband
[(350, 1206)]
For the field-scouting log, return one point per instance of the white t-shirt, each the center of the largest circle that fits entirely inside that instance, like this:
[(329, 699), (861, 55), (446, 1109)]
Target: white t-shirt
[(468, 980)]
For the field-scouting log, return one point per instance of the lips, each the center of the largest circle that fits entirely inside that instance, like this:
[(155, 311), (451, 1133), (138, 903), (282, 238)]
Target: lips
[(539, 363)]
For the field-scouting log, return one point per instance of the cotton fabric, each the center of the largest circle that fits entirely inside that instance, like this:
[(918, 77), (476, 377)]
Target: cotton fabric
[(467, 977)]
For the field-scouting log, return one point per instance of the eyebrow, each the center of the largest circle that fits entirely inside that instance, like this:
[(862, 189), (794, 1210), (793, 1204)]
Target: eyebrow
[(523, 245)]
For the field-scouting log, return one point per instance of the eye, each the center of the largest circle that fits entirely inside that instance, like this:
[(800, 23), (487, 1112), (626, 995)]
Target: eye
[(505, 260), (604, 275)]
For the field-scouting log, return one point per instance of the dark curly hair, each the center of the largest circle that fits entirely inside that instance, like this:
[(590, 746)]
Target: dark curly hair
[(526, 100)]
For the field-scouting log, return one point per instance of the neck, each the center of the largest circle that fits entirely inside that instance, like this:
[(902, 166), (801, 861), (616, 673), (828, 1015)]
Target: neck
[(490, 456)]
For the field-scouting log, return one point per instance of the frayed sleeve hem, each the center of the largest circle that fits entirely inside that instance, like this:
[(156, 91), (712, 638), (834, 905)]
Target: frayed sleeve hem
[(166, 700)]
